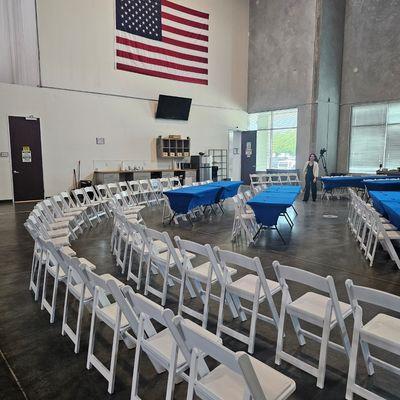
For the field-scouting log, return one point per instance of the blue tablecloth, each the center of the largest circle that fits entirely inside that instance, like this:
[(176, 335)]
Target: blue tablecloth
[(392, 210), (379, 199), (382, 184), (333, 182), (269, 205), (185, 199), (229, 188)]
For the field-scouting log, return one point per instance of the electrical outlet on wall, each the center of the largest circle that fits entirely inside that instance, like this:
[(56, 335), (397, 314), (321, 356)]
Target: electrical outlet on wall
[(4, 154)]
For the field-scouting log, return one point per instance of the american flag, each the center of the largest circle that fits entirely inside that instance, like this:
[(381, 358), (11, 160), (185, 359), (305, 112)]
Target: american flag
[(162, 38)]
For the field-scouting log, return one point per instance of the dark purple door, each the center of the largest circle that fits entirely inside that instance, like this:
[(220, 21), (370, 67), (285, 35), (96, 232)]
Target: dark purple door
[(248, 157), (26, 158)]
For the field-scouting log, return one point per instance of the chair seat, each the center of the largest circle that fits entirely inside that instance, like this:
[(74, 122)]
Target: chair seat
[(59, 225), (58, 233), (227, 384), (68, 251), (108, 277), (109, 315), (53, 270), (314, 305), (393, 235), (85, 261), (389, 227), (201, 272), (385, 329), (60, 241), (64, 219), (163, 342), (245, 287), (164, 256), (76, 290)]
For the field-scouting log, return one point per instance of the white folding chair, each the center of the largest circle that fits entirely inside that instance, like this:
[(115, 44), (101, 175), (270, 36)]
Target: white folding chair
[(93, 197), (111, 315), (175, 181), (253, 287), (293, 178), (79, 286), (163, 262), (382, 331), (378, 234), (103, 192), (157, 189), (113, 188), (208, 273), (324, 311), (96, 209), (123, 186), (165, 184), (159, 346), (238, 375), (146, 191), (140, 246), (55, 268)]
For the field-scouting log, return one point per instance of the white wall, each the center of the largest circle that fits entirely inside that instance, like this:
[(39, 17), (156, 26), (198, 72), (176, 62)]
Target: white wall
[(77, 53), (71, 121)]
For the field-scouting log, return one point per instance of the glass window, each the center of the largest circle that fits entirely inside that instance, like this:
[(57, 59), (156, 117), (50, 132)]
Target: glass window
[(375, 137), (276, 138)]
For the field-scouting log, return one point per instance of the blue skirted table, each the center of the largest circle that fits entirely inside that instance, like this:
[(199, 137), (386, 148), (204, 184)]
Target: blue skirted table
[(269, 205), (381, 200), (183, 200), (388, 184)]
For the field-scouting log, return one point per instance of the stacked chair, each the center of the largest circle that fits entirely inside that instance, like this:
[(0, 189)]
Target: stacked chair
[(177, 346), (370, 229), (269, 179)]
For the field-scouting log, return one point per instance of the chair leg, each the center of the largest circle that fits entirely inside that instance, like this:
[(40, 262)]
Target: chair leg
[(135, 376), (220, 321), (324, 346), (114, 354), (92, 332), (79, 325), (253, 322), (351, 377), (281, 328)]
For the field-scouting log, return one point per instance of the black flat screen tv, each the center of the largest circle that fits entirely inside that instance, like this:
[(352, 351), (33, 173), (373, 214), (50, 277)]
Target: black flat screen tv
[(171, 107)]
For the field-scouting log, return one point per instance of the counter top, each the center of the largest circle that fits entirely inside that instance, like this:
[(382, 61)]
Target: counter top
[(144, 170)]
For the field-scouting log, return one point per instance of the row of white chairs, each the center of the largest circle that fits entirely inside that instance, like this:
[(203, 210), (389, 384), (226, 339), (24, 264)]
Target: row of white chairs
[(281, 178), (179, 346), (324, 311), (370, 229)]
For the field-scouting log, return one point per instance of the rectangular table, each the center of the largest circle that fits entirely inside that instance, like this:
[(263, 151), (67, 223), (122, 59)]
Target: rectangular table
[(183, 200), (229, 188), (380, 201), (334, 182), (382, 184), (269, 205)]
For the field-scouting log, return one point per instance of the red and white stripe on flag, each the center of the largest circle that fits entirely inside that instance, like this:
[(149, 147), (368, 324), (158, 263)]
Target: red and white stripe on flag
[(181, 53)]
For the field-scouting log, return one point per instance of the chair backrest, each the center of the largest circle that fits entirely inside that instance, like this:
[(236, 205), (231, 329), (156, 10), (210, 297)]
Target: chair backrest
[(123, 186), (165, 183), (68, 199), (205, 250), (149, 308), (152, 235), (326, 284), (285, 273), (145, 185), (207, 343), (80, 197), (134, 186), (371, 296), (227, 258), (91, 193), (155, 184), (175, 181), (113, 188), (103, 192)]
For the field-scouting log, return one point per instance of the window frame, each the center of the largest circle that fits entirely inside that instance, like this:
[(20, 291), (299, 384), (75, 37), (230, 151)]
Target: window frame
[(385, 125)]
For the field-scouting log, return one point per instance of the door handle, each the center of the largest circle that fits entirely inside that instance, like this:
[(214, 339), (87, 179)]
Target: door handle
[(16, 172)]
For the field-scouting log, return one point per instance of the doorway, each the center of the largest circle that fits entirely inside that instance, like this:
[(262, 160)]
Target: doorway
[(248, 155), (26, 158)]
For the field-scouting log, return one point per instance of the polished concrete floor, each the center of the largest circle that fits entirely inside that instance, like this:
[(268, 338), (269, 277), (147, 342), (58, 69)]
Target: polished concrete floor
[(38, 363)]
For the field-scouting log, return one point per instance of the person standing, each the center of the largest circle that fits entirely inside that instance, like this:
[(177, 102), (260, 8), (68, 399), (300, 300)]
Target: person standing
[(311, 171)]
